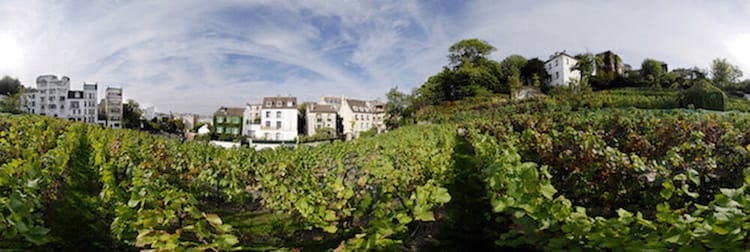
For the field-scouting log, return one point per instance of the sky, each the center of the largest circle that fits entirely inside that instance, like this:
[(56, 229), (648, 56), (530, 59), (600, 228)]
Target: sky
[(196, 55)]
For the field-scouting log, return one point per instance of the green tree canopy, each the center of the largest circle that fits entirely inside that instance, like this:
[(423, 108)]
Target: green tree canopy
[(469, 50), (652, 68), (468, 74), (724, 73), (9, 86), (399, 108), (131, 115), (586, 64), (534, 70), (512, 65)]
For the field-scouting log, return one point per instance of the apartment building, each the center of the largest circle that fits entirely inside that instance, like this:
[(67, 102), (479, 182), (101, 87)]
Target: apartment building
[(279, 117), (53, 97)]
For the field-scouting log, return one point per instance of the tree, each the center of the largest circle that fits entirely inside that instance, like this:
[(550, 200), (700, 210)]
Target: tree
[(469, 50), (512, 65), (723, 73), (131, 115), (514, 82), (533, 73), (12, 89), (651, 69), (469, 74), (399, 109), (585, 65), (9, 86)]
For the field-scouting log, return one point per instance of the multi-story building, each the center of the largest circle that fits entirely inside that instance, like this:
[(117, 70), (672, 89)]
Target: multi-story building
[(279, 119), (321, 117), (357, 115), (252, 117), (228, 121), (53, 97), (90, 93), (559, 67), (111, 106)]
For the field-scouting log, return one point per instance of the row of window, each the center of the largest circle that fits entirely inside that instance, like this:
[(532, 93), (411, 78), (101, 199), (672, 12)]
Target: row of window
[(280, 104), (228, 130), (233, 119), (268, 114), (361, 117), (278, 124)]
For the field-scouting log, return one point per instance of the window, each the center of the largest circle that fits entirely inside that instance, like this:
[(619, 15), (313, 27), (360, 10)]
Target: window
[(220, 129), (278, 114), (268, 114), (556, 61), (557, 75), (266, 135), (268, 104), (278, 125), (268, 123), (236, 131), (356, 117), (236, 119), (219, 119), (278, 136), (278, 104)]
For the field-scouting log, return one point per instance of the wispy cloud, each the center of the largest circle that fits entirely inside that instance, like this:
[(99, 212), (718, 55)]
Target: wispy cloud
[(193, 56)]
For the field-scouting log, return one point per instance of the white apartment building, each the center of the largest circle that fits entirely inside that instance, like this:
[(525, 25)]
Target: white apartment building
[(320, 116), (357, 115), (53, 97), (112, 107), (559, 67), (279, 117), (251, 117)]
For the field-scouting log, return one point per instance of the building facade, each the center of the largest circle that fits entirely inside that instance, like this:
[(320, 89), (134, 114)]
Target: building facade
[(357, 115), (228, 121), (559, 67), (53, 97), (321, 117), (252, 117), (279, 119), (110, 108)]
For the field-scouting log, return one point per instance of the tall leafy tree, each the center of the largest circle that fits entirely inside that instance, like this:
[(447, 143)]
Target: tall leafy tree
[(469, 73), (651, 69), (9, 86), (512, 65), (724, 73), (399, 108), (131, 115), (474, 51), (586, 64), (533, 73)]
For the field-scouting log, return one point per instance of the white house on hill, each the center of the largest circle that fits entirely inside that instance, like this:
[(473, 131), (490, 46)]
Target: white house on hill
[(559, 69)]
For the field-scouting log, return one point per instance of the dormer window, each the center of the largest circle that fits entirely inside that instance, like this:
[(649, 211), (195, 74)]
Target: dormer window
[(268, 104), (278, 104)]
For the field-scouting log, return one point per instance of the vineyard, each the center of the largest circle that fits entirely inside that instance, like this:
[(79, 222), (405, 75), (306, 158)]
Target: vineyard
[(546, 174)]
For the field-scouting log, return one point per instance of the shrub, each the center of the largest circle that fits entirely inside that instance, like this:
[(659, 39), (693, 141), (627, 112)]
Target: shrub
[(702, 95)]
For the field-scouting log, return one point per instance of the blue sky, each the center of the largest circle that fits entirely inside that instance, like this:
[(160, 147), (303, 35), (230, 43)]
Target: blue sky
[(197, 55)]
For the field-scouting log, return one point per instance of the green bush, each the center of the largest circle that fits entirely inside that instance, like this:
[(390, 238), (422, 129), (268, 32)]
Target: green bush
[(702, 95)]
